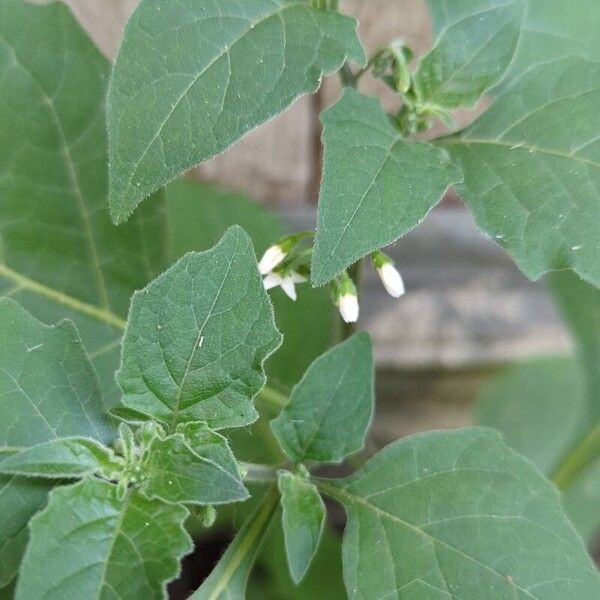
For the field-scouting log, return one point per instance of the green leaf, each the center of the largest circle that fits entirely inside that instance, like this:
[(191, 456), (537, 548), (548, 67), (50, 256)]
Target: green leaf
[(324, 580), (61, 458), (550, 29), (302, 519), (228, 579), (48, 388), (20, 499), (331, 407), (209, 445), (175, 472), (199, 214), (470, 56), (539, 406), (61, 256), (541, 409), (579, 304), (531, 169), (376, 185), (458, 514), (88, 543), (193, 77), (198, 337)]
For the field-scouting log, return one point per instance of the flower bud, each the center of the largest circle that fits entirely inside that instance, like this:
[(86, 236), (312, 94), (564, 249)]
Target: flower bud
[(346, 298), (273, 256), (348, 306), (389, 275)]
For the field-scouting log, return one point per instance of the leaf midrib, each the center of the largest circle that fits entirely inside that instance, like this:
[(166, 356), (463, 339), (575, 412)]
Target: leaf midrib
[(75, 187)]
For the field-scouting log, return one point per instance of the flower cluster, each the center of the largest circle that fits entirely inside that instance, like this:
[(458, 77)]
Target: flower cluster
[(284, 266)]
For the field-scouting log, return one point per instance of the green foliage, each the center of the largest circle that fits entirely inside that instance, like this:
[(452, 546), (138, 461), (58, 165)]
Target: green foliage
[(330, 409), (531, 186), (61, 458), (458, 514), (440, 515), (539, 406), (228, 579), (20, 499), (47, 383), (470, 56), (548, 409), (302, 520), (376, 184), (61, 256), (176, 473), (90, 543), (188, 68), (198, 337), (198, 215)]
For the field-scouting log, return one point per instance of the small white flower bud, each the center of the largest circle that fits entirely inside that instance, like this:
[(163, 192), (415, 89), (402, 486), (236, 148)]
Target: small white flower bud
[(391, 279), (273, 256), (348, 306)]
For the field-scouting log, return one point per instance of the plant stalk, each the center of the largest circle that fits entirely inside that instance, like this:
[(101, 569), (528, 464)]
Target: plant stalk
[(578, 460)]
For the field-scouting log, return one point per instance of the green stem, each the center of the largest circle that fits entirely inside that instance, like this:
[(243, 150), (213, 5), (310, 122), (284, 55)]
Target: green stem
[(259, 473), (273, 397), (347, 77), (237, 562), (578, 460)]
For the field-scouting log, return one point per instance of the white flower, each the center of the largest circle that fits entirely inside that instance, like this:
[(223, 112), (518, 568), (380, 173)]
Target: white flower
[(391, 279), (273, 256), (287, 282), (348, 306)]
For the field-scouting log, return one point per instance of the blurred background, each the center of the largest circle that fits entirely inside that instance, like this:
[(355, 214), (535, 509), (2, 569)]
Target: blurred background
[(468, 311)]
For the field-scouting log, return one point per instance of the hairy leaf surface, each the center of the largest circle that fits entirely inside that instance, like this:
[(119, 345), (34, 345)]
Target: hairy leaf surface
[(199, 214), (198, 337), (61, 458), (470, 56), (60, 256), (376, 185), (203, 475), (302, 519), (330, 409), (192, 77), (458, 514), (88, 543)]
